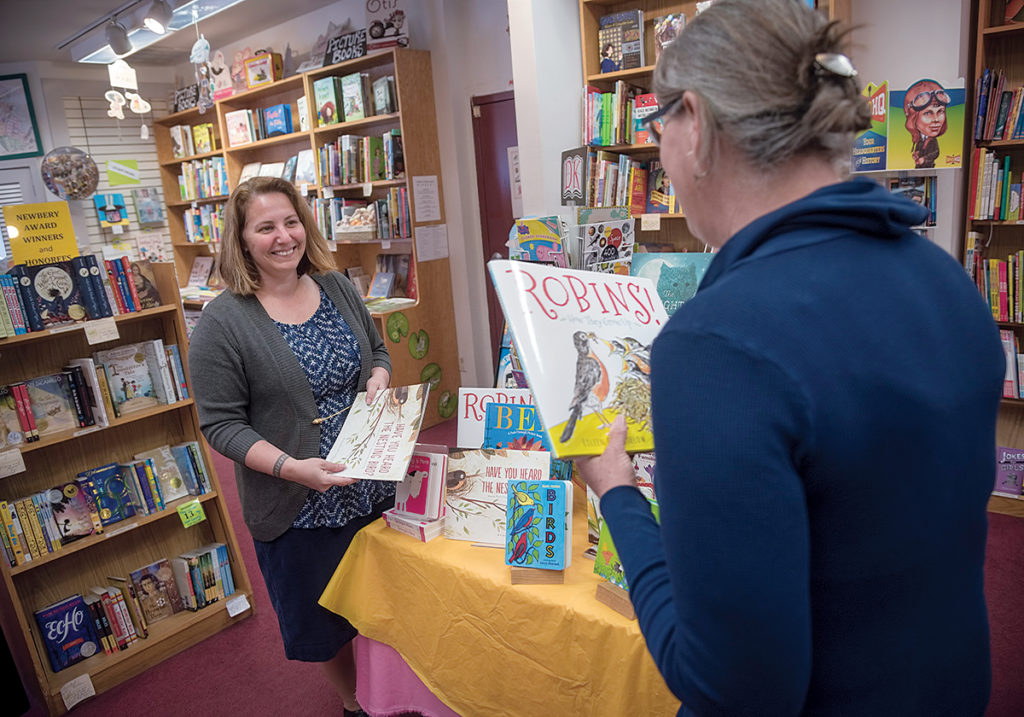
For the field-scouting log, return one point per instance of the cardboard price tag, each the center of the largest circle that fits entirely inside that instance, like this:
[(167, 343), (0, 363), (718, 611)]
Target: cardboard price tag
[(191, 513)]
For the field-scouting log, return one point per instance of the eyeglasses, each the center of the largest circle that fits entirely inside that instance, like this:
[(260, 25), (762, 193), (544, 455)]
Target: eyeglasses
[(923, 99), (650, 120)]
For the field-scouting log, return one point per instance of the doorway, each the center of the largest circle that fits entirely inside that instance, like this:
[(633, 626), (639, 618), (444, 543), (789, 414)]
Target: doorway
[(494, 132)]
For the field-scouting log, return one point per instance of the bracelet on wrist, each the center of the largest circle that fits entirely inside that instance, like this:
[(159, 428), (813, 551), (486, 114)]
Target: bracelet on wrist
[(279, 464)]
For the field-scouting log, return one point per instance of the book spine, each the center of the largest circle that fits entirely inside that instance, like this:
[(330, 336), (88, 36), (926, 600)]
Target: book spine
[(12, 299), (30, 310), (110, 287), (131, 484), (126, 269), (43, 533), (76, 398), (188, 473), (5, 312), (20, 531), (163, 370), (23, 411), (178, 369), (114, 619), (8, 515), (50, 522), (144, 487), (196, 570), (85, 286), (96, 284), (8, 548), (114, 276), (85, 394), (225, 567), (99, 625), (26, 528), (104, 386), (154, 483), (142, 625), (197, 460), (124, 615)]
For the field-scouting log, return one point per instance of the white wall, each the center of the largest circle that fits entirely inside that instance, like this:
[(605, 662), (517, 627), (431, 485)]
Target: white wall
[(548, 74), (902, 42)]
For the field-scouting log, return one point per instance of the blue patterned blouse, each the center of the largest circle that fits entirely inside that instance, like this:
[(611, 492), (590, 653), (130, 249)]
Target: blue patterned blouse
[(329, 355)]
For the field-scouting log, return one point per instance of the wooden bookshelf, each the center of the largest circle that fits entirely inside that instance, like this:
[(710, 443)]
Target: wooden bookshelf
[(997, 45), (123, 546), (429, 325)]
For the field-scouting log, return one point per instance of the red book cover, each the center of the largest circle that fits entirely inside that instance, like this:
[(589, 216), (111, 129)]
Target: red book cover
[(24, 407), (127, 269), (115, 286)]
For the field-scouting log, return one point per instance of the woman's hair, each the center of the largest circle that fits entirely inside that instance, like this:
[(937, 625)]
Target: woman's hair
[(753, 64), (234, 264), (920, 87)]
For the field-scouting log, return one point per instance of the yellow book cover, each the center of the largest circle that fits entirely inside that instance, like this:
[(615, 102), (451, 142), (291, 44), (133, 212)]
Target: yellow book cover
[(12, 532), (26, 528)]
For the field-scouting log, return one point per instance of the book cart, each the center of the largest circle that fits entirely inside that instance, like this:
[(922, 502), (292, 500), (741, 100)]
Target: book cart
[(123, 546), (420, 337), (998, 45)]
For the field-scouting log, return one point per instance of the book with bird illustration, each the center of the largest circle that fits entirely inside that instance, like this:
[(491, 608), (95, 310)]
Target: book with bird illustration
[(377, 440), (477, 486), (607, 563), (539, 524), (584, 340)]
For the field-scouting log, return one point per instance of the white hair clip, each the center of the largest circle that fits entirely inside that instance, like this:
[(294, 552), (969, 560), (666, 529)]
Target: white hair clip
[(834, 64)]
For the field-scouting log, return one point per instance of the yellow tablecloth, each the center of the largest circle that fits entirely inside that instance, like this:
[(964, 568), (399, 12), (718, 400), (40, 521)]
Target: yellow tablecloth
[(486, 647)]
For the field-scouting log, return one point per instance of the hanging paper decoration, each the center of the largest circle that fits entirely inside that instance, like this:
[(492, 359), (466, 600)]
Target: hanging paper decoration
[(200, 56), (117, 103), (69, 173), (136, 104)]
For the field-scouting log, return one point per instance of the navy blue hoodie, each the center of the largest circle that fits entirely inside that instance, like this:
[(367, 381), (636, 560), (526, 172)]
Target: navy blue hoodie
[(824, 421)]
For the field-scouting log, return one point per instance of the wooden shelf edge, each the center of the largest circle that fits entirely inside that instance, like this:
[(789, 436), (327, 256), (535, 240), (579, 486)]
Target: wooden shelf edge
[(268, 142), (1006, 505), (203, 200), (1007, 29), (192, 157), (621, 74), (80, 326), (114, 423), (109, 533), (171, 635), (340, 127)]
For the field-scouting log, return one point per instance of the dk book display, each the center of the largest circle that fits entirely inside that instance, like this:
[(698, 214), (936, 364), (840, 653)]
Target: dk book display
[(361, 132), (95, 502)]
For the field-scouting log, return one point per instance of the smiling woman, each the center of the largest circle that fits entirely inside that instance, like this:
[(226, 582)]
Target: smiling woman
[(277, 360)]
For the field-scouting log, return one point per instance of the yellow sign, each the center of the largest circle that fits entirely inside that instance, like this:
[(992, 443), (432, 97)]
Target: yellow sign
[(191, 513), (40, 233)]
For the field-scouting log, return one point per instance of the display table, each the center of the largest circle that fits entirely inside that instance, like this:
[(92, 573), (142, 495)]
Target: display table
[(486, 647)]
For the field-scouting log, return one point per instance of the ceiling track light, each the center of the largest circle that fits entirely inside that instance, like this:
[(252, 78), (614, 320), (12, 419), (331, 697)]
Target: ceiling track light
[(158, 16), (117, 38)]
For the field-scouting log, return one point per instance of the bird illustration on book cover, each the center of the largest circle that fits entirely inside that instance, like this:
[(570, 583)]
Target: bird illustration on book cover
[(584, 340), (536, 524)]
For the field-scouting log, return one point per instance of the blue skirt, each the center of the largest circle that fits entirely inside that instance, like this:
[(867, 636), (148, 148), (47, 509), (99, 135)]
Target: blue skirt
[(296, 568)]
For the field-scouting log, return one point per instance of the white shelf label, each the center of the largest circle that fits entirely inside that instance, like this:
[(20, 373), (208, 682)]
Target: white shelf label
[(76, 690), (101, 330), (367, 189), (11, 462), (650, 222), (237, 604)]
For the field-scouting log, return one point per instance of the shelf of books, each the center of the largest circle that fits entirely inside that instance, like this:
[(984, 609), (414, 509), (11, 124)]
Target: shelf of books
[(118, 547), (354, 138), (993, 246)]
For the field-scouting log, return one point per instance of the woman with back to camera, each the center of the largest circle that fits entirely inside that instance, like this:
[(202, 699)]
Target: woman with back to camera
[(276, 361), (823, 408)]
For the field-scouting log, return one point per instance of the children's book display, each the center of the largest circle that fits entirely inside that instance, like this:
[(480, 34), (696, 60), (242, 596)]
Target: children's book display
[(516, 426), (377, 440), (421, 493), (472, 411), (67, 631), (477, 483), (584, 340)]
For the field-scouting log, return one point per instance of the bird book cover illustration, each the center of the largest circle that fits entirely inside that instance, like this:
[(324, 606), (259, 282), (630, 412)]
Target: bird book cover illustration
[(607, 563), (584, 340), (377, 441), (539, 524), (476, 488)]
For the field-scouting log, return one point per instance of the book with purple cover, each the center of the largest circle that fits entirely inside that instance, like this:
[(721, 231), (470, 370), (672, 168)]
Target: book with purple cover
[(1009, 471), (66, 629)]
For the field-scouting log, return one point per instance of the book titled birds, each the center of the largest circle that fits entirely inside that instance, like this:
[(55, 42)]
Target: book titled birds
[(539, 524), (377, 440), (584, 340)]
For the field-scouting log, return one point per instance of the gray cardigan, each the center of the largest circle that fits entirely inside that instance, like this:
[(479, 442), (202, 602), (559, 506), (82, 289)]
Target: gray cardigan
[(248, 385)]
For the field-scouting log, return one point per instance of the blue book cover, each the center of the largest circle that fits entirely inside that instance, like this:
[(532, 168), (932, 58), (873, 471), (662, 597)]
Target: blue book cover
[(278, 119), (538, 524), (517, 426), (67, 631), (187, 470), (85, 287), (111, 495), (676, 275), (100, 291)]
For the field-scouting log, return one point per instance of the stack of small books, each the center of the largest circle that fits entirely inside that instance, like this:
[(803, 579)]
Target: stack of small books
[(420, 497)]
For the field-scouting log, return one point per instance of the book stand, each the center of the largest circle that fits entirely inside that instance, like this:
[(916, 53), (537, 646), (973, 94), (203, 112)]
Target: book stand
[(616, 598), (536, 576)]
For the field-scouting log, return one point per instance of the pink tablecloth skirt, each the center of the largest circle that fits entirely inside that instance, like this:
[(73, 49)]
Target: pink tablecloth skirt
[(386, 686)]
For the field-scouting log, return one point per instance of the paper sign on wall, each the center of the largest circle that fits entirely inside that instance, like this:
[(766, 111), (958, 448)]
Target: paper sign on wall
[(40, 233)]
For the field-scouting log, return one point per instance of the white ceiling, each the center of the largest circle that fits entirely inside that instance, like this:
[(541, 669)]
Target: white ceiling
[(31, 30)]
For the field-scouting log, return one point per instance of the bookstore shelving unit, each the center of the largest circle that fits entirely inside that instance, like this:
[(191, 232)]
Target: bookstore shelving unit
[(420, 337), (999, 45), (123, 546), (672, 228)]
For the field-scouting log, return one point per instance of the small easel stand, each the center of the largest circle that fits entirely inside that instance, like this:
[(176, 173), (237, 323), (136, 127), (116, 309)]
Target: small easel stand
[(616, 598), (536, 576)]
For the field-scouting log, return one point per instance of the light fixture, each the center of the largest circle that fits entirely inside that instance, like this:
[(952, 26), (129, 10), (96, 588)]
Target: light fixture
[(158, 16), (117, 38)]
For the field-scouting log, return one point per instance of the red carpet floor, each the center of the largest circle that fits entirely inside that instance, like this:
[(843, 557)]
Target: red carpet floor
[(242, 670)]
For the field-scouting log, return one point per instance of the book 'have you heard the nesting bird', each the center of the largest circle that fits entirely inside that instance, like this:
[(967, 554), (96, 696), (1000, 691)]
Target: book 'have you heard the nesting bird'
[(584, 339)]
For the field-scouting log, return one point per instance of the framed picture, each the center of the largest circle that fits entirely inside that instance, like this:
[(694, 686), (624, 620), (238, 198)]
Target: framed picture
[(262, 69), (19, 135)]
